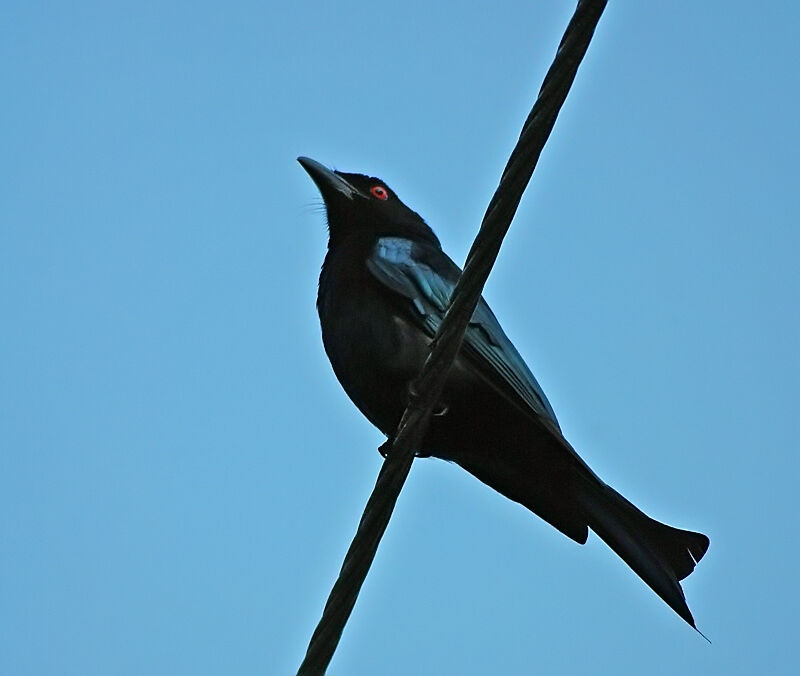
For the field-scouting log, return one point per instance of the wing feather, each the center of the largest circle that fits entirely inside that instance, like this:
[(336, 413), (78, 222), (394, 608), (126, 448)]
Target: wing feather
[(426, 276)]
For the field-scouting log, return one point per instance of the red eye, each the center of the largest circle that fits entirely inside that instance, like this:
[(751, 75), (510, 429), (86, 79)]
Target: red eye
[(379, 191)]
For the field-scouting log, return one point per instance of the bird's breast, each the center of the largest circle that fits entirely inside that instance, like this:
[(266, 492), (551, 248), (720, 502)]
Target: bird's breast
[(377, 347), (374, 350)]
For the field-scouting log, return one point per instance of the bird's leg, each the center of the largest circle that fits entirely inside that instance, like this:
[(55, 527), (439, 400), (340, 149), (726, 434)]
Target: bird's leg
[(383, 449)]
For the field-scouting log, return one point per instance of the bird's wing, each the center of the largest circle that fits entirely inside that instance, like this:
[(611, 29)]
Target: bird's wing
[(426, 276)]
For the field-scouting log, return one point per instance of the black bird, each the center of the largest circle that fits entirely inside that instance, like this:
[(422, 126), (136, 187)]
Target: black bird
[(383, 291)]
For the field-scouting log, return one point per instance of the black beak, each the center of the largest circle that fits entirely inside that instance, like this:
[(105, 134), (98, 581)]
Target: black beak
[(328, 182)]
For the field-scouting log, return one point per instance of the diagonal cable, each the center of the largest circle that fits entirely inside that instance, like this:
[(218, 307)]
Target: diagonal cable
[(426, 390)]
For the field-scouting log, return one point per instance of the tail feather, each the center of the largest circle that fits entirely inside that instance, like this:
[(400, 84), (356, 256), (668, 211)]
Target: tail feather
[(661, 555)]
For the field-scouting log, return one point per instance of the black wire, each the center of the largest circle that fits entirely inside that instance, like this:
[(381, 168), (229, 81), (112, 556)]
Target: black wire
[(427, 388)]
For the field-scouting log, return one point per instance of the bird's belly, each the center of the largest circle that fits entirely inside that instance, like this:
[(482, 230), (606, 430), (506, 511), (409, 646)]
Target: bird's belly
[(375, 355)]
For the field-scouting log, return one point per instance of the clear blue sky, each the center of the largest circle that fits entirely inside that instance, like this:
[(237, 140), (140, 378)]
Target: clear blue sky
[(180, 473)]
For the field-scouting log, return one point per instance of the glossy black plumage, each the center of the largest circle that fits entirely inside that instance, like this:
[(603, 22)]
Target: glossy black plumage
[(383, 289)]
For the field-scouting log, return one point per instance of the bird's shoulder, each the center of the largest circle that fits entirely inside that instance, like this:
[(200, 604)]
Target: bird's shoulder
[(427, 277)]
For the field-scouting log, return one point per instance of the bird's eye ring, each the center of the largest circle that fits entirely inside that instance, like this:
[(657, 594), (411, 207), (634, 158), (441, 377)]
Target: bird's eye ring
[(379, 191)]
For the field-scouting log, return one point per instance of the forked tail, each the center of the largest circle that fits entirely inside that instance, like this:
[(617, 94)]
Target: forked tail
[(661, 555)]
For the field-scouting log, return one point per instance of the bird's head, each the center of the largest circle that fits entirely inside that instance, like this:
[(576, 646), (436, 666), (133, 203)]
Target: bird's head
[(363, 205)]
